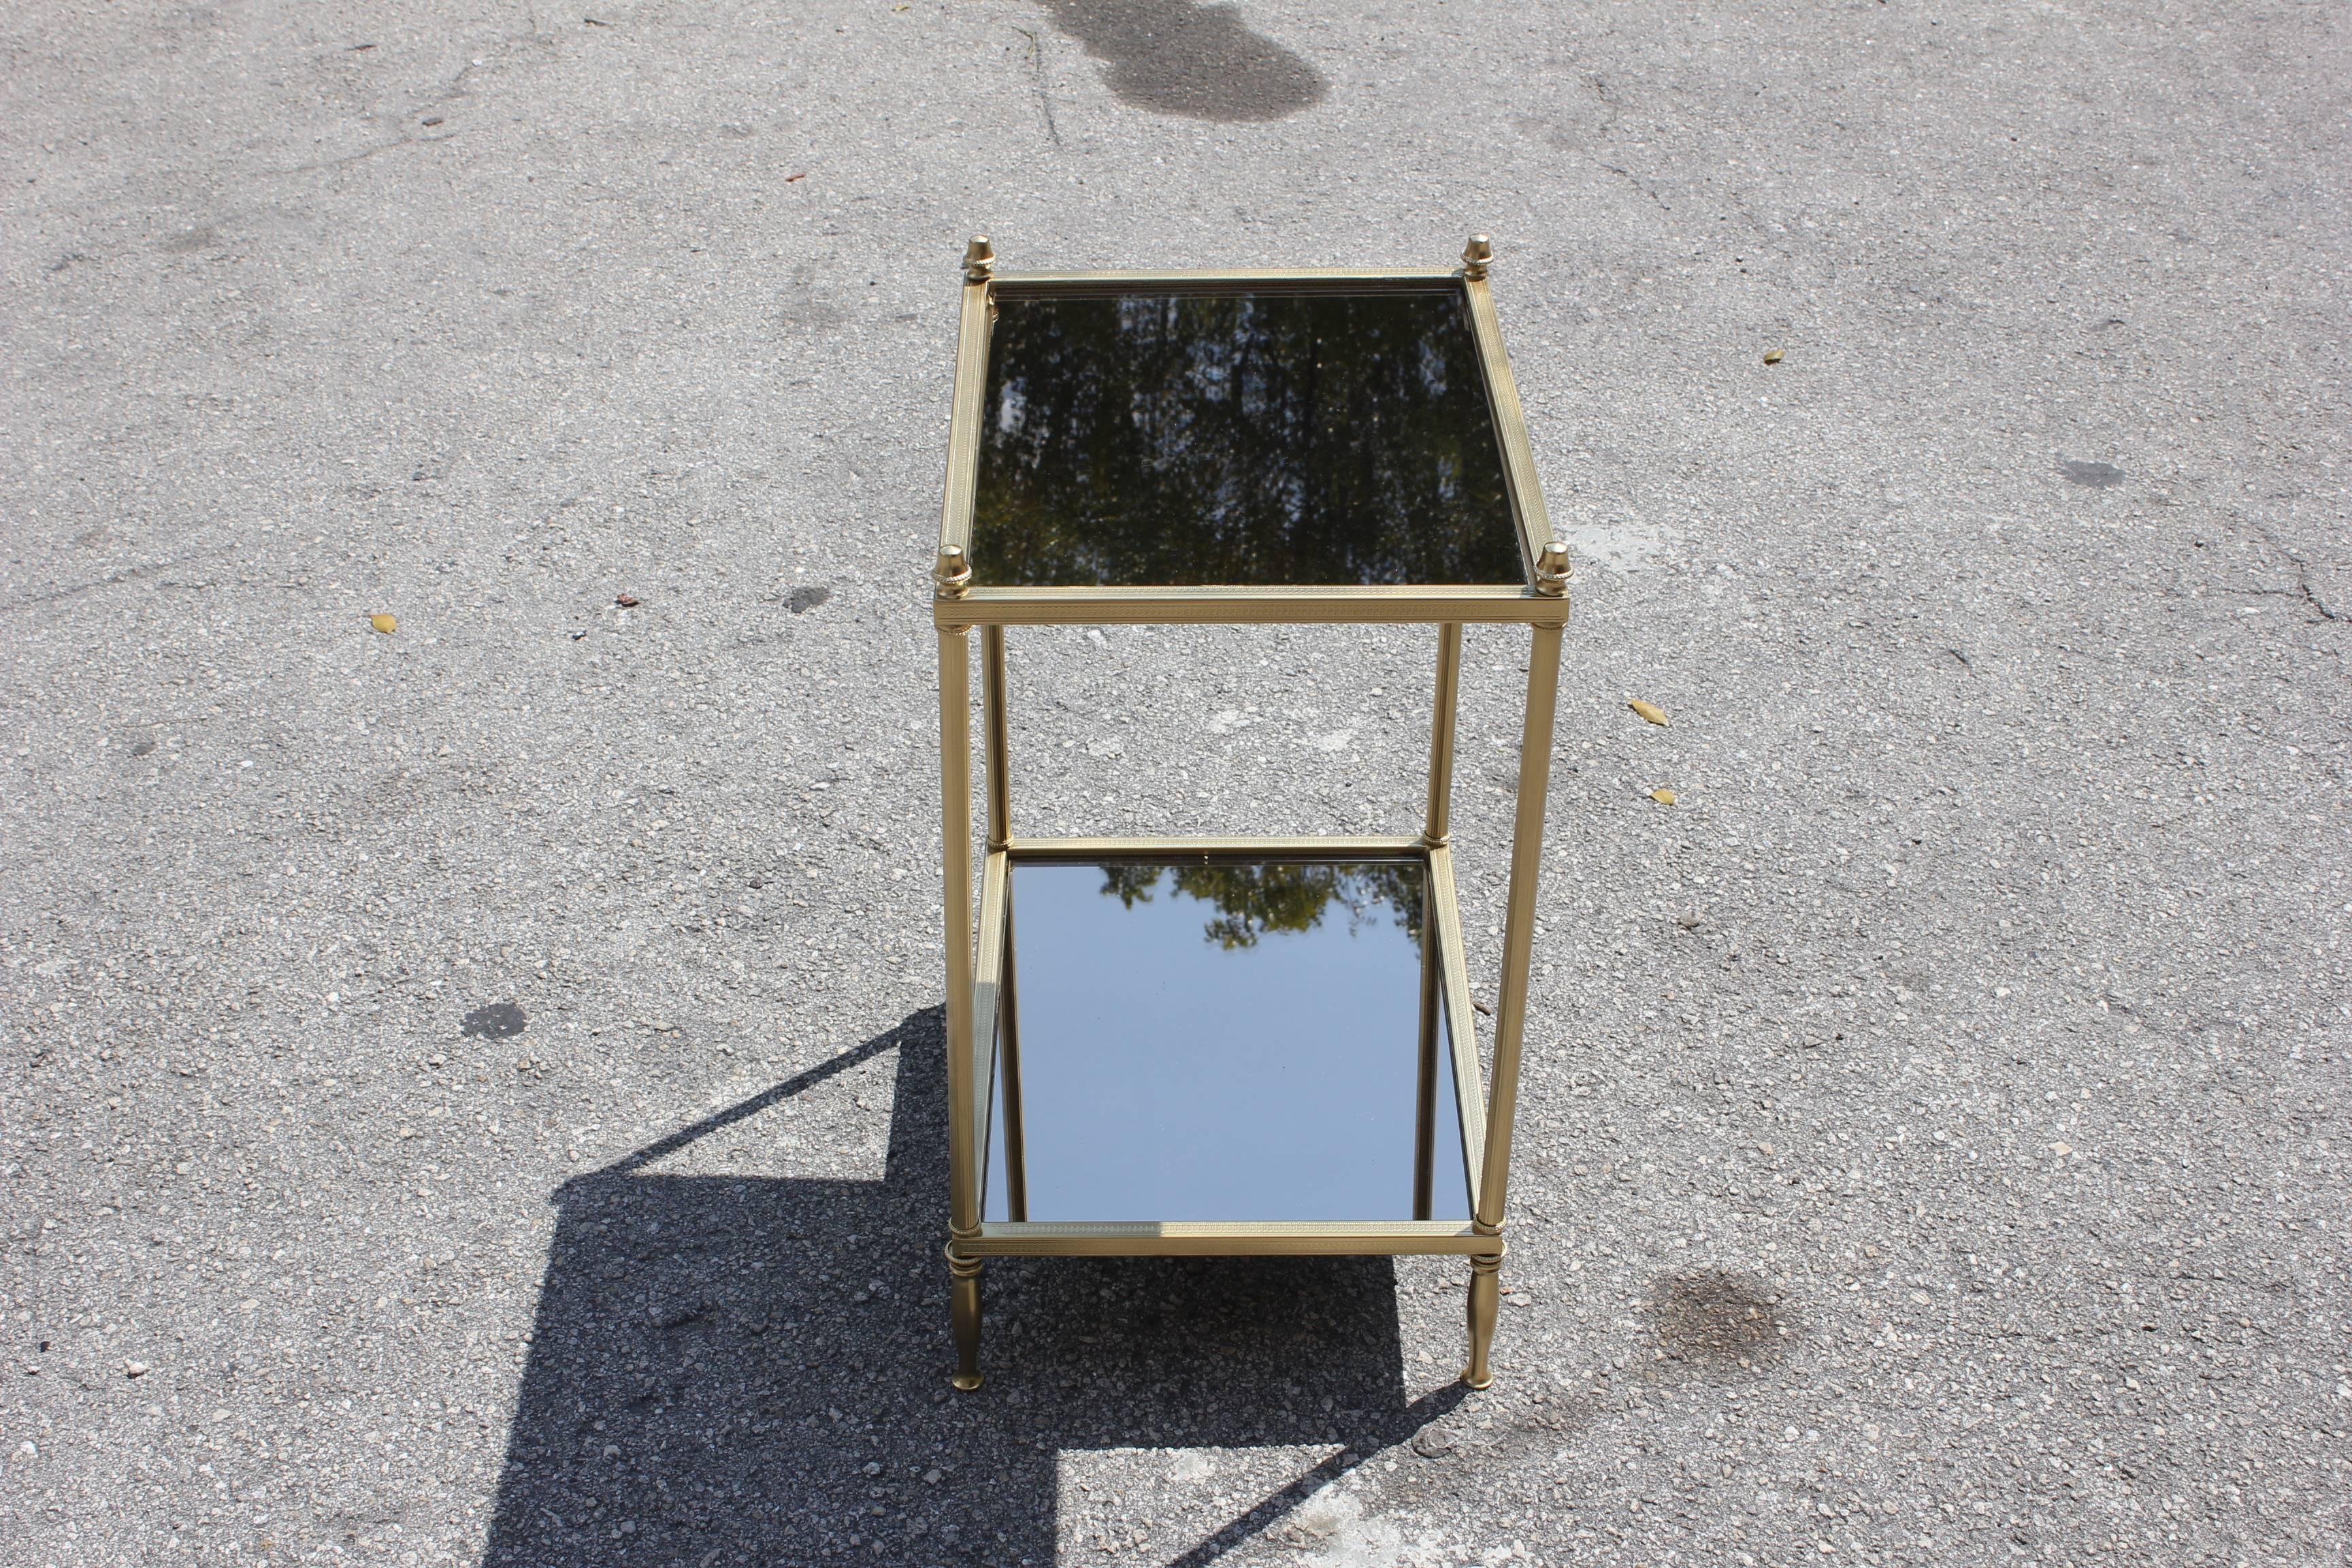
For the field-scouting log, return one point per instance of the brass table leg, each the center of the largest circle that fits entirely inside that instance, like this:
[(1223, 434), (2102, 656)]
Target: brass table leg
[(1424, 1093), (1434, 834), (1008, 1076), (996, 725), (1511, 996), (1486, 1295), (963, 1157), (966, 1288)]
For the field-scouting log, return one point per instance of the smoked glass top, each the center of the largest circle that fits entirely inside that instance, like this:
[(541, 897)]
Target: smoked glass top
[(1276, 439), (1217, 1042)]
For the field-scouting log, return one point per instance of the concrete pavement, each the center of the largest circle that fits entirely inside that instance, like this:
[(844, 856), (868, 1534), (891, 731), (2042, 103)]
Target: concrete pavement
[(472, 1093)]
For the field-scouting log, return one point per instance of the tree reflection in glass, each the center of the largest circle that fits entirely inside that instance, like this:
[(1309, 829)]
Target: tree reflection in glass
[(1254, 899), (1216, 1040), (1256, 439)]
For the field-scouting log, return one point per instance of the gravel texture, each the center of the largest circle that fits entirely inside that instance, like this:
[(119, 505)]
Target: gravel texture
[(473, 1091)]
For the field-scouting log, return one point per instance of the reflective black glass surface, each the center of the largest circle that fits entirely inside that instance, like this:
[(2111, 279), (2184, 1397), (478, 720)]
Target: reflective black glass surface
[(1271, 439), (1212, 1041)]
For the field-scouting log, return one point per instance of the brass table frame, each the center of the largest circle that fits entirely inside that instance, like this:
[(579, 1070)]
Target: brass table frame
[(978, 965)]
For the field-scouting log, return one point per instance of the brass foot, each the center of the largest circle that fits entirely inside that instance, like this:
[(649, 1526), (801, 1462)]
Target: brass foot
[(964, 1295), (1486, 1295)]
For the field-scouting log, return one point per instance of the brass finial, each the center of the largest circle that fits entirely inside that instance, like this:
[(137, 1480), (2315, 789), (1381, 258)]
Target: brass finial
[(953, 571), (1552, 570), (1476, 256), (978, 260)]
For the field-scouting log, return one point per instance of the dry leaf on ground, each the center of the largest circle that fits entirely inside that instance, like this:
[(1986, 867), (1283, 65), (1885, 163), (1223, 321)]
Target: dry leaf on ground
[(1650, 710)]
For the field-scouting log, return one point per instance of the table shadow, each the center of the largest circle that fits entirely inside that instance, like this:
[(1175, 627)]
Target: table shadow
[(728, 1369)]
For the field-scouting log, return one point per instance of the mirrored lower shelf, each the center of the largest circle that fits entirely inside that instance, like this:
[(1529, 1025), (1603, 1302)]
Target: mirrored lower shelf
[(1222, 1052)]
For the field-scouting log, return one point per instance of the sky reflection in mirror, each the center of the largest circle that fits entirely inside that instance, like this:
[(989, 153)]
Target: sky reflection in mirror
[(1275, 438), (1221, 1042)]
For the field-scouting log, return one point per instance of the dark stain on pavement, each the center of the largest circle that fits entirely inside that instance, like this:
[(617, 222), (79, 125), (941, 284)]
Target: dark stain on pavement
[(499, 1021), (2098, 476), (801, 600), (1715, 1319), (1202, 62)]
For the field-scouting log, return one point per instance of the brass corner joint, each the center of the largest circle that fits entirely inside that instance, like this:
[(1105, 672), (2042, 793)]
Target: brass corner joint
[(1476, 256), (952, 572), (1553, 569), (978, 260)]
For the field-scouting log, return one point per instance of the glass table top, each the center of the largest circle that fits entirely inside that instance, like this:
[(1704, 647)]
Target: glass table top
[(1278, 439), (1218, 1042)]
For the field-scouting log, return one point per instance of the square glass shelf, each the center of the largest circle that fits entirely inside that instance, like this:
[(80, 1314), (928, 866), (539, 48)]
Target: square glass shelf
[(1276, 437), (1220, 1040)]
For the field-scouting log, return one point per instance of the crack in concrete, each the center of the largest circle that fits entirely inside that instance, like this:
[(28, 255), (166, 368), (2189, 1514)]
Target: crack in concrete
[(134, 574), (1608, 97), (455, 90), (55, 595), (2302, 589), (1285, 1502), (1037, 76)]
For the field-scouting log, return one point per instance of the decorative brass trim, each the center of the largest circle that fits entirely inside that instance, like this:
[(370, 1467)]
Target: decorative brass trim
[(978, 260), (1223, 848), (963, 420), (1227, 280), (951, 573), (1553, 569), (1484, 605), (1476, 256), (1239, 1238), (1510, 418)]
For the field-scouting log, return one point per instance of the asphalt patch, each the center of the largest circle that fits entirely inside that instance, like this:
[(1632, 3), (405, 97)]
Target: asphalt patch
[(499, 1021)]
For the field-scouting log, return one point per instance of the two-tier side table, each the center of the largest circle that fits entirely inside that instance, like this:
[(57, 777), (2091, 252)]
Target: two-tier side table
[(1232, 1045)]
